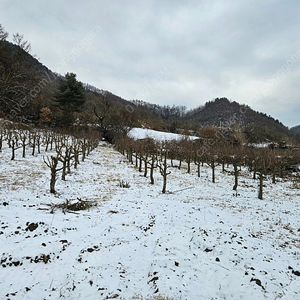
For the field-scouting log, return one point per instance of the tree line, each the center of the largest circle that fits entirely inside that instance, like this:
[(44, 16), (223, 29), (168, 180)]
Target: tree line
[(214, 151), (67, 151)]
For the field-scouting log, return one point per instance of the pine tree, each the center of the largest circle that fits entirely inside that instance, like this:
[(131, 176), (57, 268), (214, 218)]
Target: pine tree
[(70, 97)]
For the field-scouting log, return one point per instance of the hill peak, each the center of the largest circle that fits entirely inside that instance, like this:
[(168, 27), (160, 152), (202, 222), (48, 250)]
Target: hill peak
[(221, 112)]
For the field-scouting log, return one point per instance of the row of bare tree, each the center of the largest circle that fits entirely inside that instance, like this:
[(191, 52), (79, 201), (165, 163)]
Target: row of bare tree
[(68, 151), (148, 155)]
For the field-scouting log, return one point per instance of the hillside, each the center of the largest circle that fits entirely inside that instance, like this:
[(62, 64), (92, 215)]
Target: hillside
[(296, 129), (221, 112), (27, 86), (198, 241)]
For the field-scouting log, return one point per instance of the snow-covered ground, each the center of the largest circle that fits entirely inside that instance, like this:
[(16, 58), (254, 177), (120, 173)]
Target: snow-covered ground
[(199, 241), (142, 133)]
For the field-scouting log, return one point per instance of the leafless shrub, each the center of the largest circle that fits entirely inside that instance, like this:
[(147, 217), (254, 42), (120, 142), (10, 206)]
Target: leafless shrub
[(124, 184), (296, 182), (73, 205)]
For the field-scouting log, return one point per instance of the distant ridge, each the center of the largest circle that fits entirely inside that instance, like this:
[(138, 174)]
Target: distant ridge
[(296, 129), (222, 112)]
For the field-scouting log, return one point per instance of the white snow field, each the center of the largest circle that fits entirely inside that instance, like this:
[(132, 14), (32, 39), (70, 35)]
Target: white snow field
[(199, 241), (142, 133)]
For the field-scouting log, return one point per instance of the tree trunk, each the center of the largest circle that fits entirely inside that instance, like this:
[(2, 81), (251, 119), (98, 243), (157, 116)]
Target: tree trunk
[(52, 182), (33, 145), (189, 167), (261, 182), (39, 145), (281, 172), (164, 172), (164, 183), (179, 166), (24, 151), (213, 170), (152, 170), (140, 164), (13, 150), (274, 175), (63, 174), (151, 175), (198, 169), (76, 157), (236, 174), (53, 167), (146, 166), (69, 165)]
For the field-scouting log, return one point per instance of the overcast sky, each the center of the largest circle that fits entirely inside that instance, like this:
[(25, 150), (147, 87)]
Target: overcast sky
[(171, 52)]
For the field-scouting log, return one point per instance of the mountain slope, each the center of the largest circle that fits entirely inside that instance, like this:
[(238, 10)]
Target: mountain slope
[(223, 113), (27, 86), (296, 129)]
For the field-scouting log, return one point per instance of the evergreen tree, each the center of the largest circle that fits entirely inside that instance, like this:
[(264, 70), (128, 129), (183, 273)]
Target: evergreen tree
[(70, 97)]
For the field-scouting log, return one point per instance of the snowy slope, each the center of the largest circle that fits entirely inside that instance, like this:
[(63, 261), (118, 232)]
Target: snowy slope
[(199, 241), (142, 133)]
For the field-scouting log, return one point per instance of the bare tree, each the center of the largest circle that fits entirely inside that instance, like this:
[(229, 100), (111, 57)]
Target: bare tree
[(64, 155), (13, 143), (212, 161), (153, 165), (127, 144), (3, 33), (188, 153), (33, 141), (2, 137), (147, 148), (152, 158), (76, 150), (52, 163), (23, 44), (48, 140), (263, 168), (83, 149), (24, 141), (198, 155), (236, 162), (164, 166)]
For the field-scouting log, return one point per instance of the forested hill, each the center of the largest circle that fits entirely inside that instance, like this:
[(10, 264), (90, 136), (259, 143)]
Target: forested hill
[(27, 87), (224, 113), (12, 54), (296, 129)]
